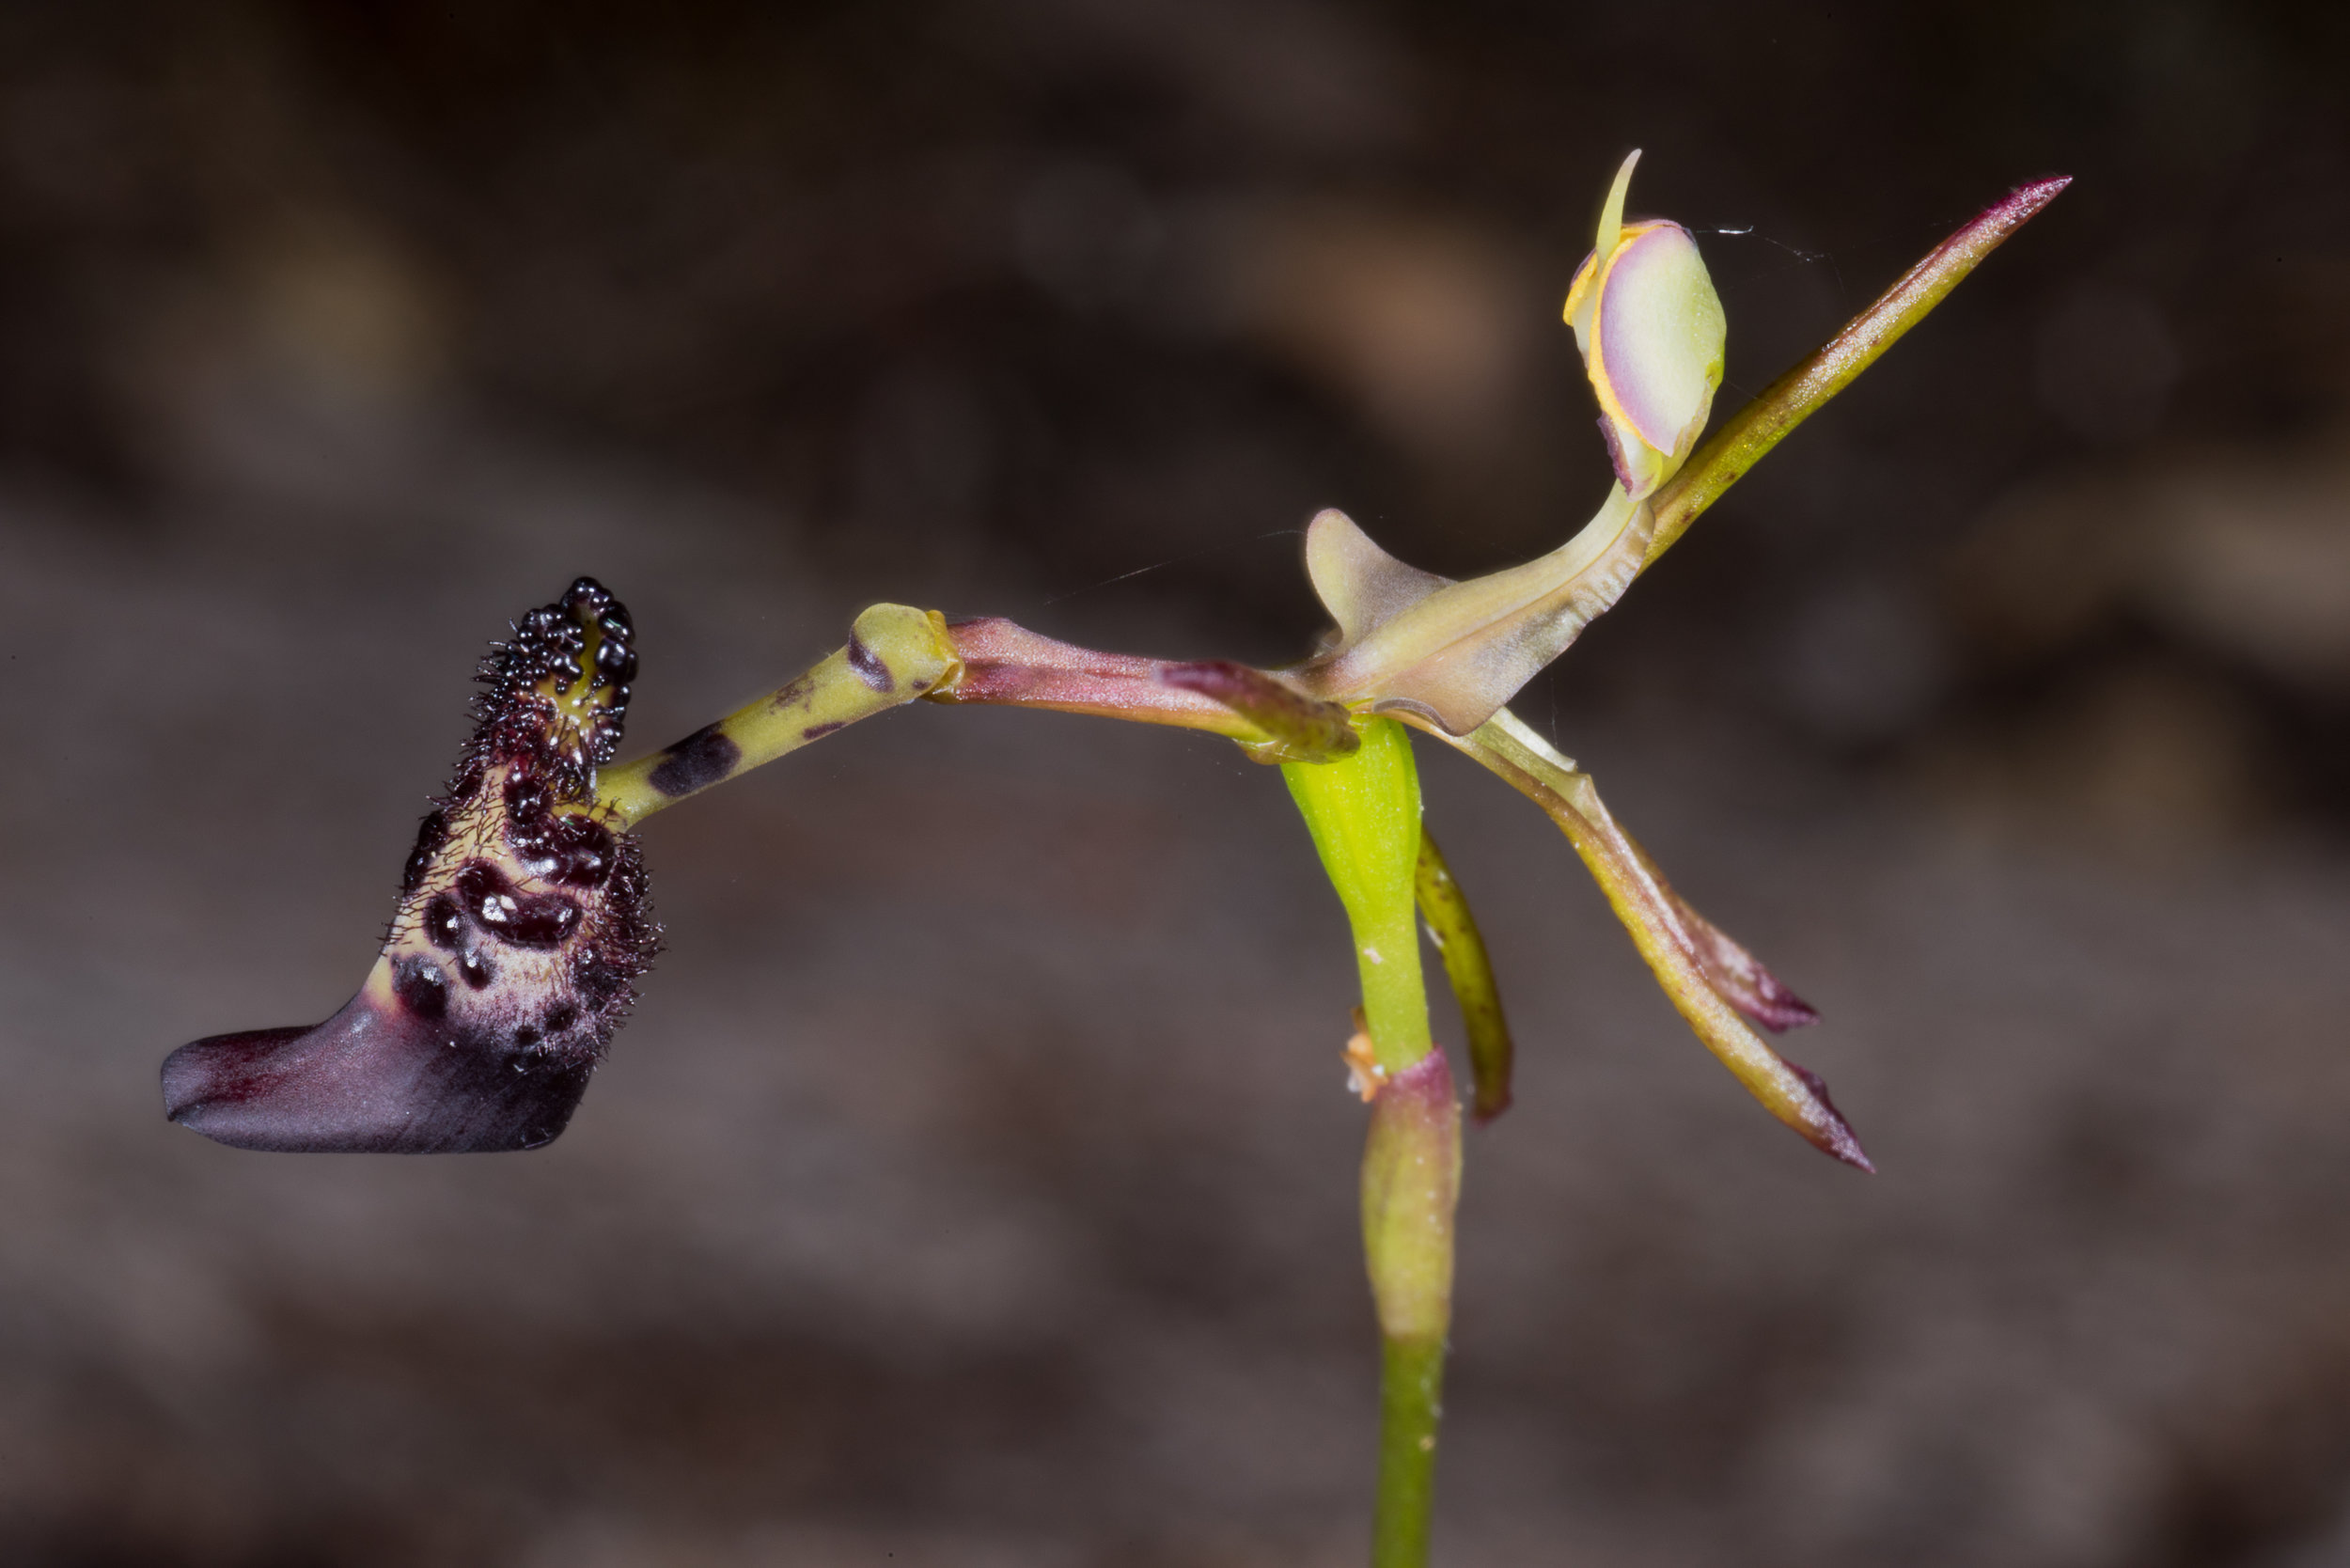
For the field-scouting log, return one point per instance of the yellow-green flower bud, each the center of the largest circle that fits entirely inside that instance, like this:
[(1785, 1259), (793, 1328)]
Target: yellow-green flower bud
[(1650, 328)]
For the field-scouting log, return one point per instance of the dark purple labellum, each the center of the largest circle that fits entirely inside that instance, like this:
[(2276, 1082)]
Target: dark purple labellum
[(372, 1080), (516, 890)]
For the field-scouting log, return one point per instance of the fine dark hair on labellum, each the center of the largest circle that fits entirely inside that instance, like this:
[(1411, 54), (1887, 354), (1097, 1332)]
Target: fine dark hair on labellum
[(521, 928)]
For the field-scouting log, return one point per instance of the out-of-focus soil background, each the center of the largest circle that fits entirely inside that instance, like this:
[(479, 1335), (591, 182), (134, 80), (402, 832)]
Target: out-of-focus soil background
[(975, 1182)]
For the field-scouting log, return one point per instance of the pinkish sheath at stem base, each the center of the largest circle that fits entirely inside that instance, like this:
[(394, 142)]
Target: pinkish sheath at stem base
[(1411, 1189)]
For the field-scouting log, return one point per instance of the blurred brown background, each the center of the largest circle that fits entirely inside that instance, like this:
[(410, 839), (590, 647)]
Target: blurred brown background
[(975, 1183)]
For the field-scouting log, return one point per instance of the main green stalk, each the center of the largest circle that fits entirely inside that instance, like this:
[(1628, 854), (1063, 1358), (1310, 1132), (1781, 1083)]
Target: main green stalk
[(1411, 1401), (1363, 810)]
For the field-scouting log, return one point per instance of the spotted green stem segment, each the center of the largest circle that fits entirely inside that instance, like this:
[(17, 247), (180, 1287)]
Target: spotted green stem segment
[(1363, 812), (895, 654), (1791, 399), (1453, 928)]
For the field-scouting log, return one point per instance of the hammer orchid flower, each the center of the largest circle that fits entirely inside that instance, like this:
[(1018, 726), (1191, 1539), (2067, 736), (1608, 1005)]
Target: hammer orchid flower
[(523, 924)]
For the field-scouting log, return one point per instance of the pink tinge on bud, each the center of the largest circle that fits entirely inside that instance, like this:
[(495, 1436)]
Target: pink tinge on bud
[(1651, 330), (1654, 340)]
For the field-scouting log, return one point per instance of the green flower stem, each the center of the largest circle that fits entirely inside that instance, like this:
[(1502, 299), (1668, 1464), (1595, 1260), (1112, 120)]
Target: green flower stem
[(895, 654), (1791, 399), (1453, 928), (1363, 812), (1411, 1401)]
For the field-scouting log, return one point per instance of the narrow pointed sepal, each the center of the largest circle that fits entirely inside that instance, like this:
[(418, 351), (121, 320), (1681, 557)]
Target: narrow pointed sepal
[(1735, 973), (1452, 926), (1678, 958), (521, 928), (1762, 424)]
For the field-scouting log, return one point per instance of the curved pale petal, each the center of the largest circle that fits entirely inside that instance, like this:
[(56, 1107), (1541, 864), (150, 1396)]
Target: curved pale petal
[(1359, 584), (1457, 652)]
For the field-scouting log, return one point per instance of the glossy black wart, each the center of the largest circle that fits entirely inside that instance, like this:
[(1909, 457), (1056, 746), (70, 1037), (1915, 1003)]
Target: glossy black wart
[(489, 898), (557, 697)]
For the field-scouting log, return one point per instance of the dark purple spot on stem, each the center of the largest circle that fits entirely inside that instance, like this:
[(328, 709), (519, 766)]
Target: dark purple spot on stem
[(475, 969), (695, 762), (818, 731), (868, 667)]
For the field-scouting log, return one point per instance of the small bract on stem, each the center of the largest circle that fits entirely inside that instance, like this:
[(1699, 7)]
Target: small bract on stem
[(523, 923)]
